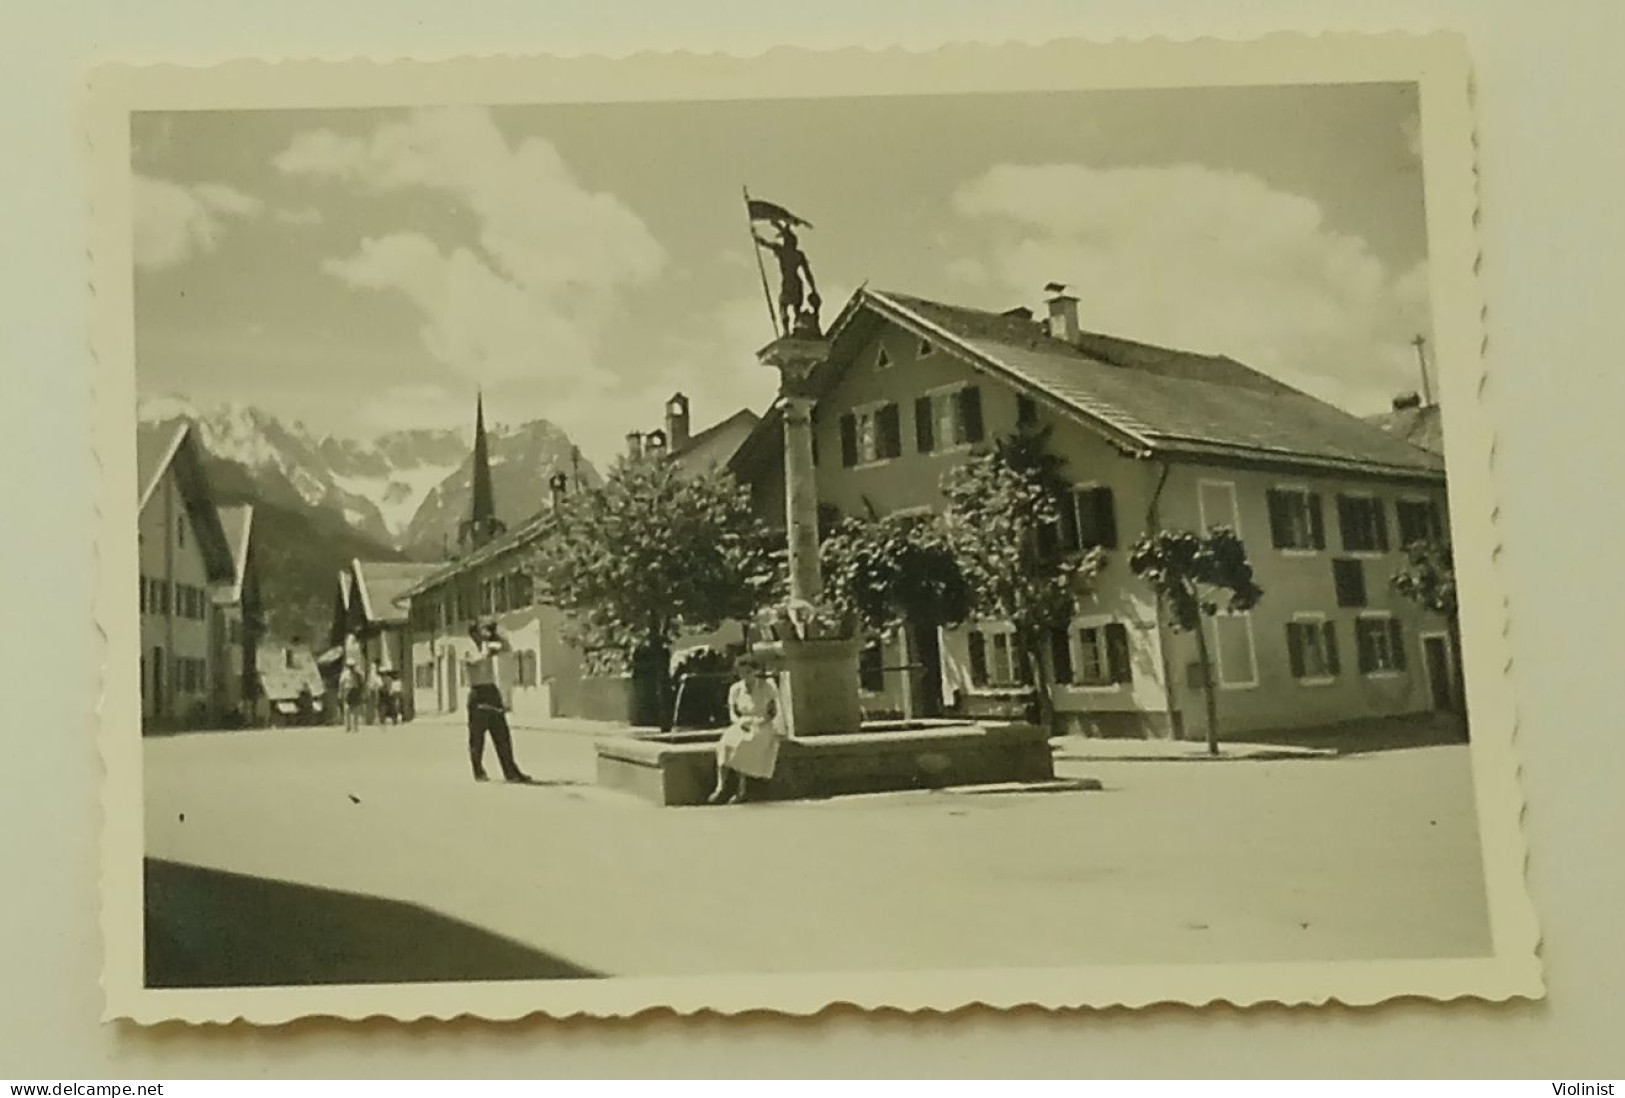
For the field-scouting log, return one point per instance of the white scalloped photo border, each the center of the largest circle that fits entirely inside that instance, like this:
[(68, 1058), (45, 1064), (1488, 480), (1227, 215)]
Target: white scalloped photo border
[(1437, 63)]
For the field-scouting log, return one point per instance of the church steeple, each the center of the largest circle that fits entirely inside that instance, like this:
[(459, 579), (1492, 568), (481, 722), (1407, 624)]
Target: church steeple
[(482, 523)]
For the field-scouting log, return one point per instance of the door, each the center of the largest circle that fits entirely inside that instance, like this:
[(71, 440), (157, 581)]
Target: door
[(1436, 651), (926, 649)]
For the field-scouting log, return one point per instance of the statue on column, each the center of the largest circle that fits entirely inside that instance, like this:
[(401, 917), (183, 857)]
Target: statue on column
[(799, 303)]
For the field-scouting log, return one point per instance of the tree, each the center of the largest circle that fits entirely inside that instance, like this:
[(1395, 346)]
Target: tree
[(650, 554), (1003, 507), (894, 573), (1191, 574), (1428, 579)]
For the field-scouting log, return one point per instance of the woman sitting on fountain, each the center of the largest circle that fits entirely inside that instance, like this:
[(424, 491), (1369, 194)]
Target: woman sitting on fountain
[(750, 744)]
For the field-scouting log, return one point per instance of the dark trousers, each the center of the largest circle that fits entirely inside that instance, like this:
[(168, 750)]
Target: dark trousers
[(485, 714)]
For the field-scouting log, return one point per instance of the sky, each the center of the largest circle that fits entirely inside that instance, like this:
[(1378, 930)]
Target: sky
[(368, 270)]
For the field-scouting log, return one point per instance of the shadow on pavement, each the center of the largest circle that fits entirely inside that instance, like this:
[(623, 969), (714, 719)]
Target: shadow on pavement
[(208, 928)]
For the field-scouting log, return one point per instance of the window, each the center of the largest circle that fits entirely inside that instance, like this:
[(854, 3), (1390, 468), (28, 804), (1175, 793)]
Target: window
[(1102, 657), (925, 348), (995, 660), (871, 434), (871, 661), (180, 530), (1216, 500), (1419, 520), (882, 360), (1233, 650), (1026, 411), (1295, 519), (948, 418), (1089, 519), (1349, 578), (528, 666), (1312, 649), (424, 676), (1382, 644), (143, 590), (1364, 524)]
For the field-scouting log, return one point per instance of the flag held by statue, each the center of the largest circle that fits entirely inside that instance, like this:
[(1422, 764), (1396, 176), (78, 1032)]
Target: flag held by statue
[(763, 210)]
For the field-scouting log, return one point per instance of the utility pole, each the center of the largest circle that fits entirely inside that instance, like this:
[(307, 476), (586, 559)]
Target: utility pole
[(1420, 343)]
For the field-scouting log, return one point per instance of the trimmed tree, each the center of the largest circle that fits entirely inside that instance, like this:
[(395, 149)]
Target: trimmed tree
[(1427, 578), (1003, 509), (1194, 578), (894, 572), (649, 555)]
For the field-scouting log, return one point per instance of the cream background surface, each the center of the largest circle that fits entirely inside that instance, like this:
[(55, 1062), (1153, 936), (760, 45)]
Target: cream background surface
[(1552, 236)]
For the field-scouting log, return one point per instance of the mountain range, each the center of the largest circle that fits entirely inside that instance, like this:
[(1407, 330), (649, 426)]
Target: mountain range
[(321, 500)]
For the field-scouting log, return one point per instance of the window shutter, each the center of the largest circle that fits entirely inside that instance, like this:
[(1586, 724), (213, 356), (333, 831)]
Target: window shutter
[(1117, 654), (1018, 659), (888, 425), (1294, 648), (1071, 535), (1060, 650), (1317, 522), (1329, 639), (1362, 638), (849, 440), (1346, 521), (978, 659), (1349, 578), (1396, 638), (1277, 509), (1049, 538), (1026, 410), (924, 431), (1435, 521), (1379, 511), (1105, 519), (970, 412)]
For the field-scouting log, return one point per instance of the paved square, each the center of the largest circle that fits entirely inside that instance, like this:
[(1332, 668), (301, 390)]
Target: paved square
[(1359, 857)]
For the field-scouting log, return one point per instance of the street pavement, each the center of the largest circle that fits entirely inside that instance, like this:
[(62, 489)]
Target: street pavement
[(1269, 859)]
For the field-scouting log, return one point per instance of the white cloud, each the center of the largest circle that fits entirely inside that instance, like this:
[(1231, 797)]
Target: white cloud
[(406, 407), (1208, 261), (552, 261), (174, 221), (299, 215)]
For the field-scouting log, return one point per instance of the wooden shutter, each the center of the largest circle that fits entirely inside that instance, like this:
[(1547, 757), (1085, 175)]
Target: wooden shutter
[(1278, 523), (970, 413), (924, 429), (1362, 639), (1019, 663), (1329, 640), (1317, 522), (1060, 650), (1396, 638), (978, 658), (849, 440), (1379, 510), (1346, 521), (889, 429), (1069, 531), (1105, 519), (1026, 410), (1118, 663), (1348, 577), (1294, 648)]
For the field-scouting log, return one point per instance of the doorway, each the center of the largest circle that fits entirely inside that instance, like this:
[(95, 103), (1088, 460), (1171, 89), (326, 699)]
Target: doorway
[(1436, 656), (925, 648)]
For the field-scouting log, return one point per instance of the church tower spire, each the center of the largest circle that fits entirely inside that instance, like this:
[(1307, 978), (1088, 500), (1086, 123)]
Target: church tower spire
[(482, 523)]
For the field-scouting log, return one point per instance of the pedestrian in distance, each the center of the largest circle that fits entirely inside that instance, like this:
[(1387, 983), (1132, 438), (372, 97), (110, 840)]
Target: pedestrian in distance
[(750, 744), (487, 709)]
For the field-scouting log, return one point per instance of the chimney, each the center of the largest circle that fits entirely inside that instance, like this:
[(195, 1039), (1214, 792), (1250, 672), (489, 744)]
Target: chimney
[(558, 484), (634, 445), (1063, 313), (1405, 401), (654, 443), (677, 421)]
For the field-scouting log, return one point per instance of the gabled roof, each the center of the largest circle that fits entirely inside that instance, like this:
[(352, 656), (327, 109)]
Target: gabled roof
[(439, 573), (715, 447), (1420, 426), (1148, 401), (238, 523), (378, 583), (159, 452)]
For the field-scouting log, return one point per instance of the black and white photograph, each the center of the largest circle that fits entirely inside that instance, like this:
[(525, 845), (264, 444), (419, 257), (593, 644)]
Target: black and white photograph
[(688, 540)]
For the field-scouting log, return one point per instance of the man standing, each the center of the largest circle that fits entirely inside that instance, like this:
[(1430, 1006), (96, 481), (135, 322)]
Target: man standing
[(487, 710)]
